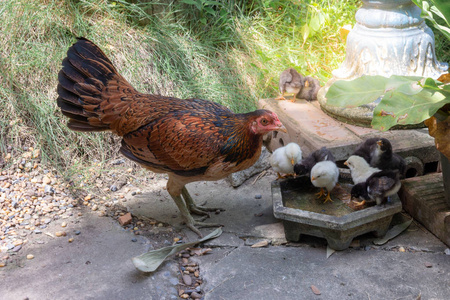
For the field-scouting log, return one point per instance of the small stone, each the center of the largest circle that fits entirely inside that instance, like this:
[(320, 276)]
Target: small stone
[(113, 188), (17, 248), (401, 249), (134, 240), (46, 180), (95, 207), (2, 264), (185, 261), (187, 280), (447, 251), (60, 233), (184, 296), (63, 224), (428, 265), (195, 295), (125, 219), (197, 274), (258, 196), (88, 197), (176, 239), (30, 256), (77, 232), (70, 240), (160, 225)]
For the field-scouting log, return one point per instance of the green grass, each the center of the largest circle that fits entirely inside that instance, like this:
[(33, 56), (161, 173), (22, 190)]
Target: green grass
[(231, 52)]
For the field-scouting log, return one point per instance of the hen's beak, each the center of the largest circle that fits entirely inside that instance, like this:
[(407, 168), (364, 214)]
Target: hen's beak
[(282, 128), (292, 161), (346, 163), (380, 143), (313, 178), (306, 83)]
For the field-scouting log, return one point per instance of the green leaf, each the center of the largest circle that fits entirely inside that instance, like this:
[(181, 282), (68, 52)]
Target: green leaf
[(305, 32), (150, 261), (353, 93), (393, 232), (397, 108)]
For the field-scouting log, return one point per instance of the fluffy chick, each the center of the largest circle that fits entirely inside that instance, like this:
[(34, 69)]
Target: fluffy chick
[(359, 168), (367, 148), (291, 82), (311, 87), (325, 174), (284, 158), (305, 165), (378, 187), (384, 159)]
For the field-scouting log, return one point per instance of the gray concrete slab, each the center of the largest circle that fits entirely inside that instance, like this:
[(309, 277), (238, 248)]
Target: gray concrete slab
[(97, 264)]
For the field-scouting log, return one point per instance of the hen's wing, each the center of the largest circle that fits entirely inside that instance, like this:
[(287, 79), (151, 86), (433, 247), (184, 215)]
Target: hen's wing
[(285, 78)]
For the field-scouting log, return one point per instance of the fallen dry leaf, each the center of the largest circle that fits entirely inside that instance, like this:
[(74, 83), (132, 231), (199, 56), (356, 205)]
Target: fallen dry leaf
[(444, 78), (260, 244), (199, 251), (441, 133), (315, 290)]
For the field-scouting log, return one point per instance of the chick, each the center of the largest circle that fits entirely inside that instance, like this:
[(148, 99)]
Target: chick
[(311, 87), (325, 174), (378, 187), (384, 159), (284, 158), (291, 82), (305, 165), (367, 148), (359, 168)]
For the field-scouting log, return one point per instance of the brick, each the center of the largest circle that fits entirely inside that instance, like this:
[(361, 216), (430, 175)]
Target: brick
[(125, 219)]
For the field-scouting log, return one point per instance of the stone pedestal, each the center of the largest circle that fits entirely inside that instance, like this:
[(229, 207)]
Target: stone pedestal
[(389, 38)]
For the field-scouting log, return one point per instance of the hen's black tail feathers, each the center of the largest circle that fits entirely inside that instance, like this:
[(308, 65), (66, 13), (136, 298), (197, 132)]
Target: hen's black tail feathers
[(85, 72)]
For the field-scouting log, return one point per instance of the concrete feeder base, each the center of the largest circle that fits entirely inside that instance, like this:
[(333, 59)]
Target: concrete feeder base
[(294, 202)]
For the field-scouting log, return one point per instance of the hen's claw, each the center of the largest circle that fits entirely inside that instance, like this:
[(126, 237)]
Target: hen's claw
[(195, 209), (328, 198)]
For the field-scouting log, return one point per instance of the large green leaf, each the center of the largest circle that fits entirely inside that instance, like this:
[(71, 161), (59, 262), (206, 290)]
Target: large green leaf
[(362, 90), (366, 89), (397, 108)]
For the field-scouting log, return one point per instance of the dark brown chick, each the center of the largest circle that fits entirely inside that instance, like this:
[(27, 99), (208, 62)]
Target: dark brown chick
[(291, 82), (189, 139)]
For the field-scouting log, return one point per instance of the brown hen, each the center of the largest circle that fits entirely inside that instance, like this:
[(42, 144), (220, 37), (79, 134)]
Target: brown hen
[(189, 139)]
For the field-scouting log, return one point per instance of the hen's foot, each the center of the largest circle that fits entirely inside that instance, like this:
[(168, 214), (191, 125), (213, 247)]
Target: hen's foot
[(281, 97), (194, 225), (196, 209)]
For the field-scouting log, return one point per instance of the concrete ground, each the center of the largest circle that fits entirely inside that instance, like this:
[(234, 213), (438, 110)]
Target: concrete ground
[(97, 265)]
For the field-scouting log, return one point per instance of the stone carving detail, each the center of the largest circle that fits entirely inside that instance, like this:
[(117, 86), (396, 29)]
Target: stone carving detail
[(390, 38)]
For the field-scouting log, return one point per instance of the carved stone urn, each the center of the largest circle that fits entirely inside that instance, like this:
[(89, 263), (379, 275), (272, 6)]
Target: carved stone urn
[(389, 38)]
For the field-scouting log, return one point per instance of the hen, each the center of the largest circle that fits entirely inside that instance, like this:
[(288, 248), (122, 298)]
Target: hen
[(311, 87), (189, 139)]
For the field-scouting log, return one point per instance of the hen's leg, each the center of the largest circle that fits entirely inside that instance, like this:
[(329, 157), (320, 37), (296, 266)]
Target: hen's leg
[(193, 208), (281, 97), (191, 223)]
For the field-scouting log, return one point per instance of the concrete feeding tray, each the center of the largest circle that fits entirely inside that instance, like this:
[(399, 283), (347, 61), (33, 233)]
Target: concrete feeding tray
[(294, 202)]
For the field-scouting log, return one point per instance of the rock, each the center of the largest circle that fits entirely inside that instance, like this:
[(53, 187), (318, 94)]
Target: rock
[(46, 180), (70, 240), (125, 219), (2, 264), (187, 280), (30, 256), (238, 178), (195, 295), (77, 232), (258, 196), (447, 251), (60, 233)]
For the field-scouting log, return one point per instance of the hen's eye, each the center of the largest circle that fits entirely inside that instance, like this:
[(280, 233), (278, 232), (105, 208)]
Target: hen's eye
[(264, 122)]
